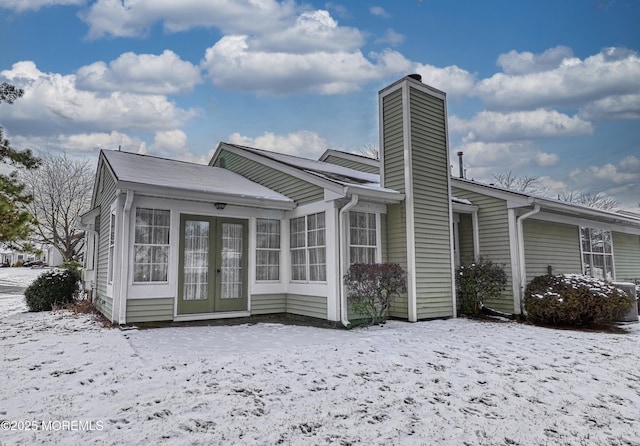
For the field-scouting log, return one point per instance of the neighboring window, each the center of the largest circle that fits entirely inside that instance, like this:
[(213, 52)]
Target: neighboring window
[(112, 236), (151, 246), (307, 246), (267, 249), (362, 237), (597, 253)]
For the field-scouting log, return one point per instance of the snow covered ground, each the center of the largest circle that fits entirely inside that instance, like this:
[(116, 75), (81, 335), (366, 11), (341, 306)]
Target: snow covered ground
[(454, 382)]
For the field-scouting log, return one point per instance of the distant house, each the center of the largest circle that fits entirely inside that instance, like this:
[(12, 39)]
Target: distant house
[(260, 232)]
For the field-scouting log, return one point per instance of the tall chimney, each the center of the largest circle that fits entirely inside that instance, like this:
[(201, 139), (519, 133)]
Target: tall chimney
[(461, 164)]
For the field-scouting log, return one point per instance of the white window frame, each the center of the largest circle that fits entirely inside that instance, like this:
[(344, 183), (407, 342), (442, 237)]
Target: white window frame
[(591, 253), (112, 247), (166, 245), (309, 233), (376, 230), (269, 249)]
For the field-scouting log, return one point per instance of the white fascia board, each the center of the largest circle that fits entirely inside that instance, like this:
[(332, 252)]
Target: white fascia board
[(514, 199), (464, 208), (90, 215), (585, 213), (588, 223), (208, 197), (382, 196), (282, 167)]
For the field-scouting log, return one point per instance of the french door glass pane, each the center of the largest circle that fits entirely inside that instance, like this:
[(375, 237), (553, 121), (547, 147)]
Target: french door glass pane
[(196, 260), (231, 271)]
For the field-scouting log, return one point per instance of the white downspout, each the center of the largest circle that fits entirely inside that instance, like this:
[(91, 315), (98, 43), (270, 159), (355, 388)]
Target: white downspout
[(521, 258), (124, 260), (342, 258)]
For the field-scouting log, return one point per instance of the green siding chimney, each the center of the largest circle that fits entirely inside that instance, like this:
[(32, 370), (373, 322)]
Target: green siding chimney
[(415, 161)]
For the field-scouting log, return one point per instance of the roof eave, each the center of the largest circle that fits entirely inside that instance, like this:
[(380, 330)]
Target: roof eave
[(204, 196)]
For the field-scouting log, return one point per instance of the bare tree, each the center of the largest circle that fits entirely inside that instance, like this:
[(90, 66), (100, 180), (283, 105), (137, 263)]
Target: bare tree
[(370, 151), (519, 184), (531, 185), (61, 191), (595, 200)]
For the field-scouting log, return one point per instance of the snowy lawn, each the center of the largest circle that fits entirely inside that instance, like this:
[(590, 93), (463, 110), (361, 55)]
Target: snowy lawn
[(441, 382)]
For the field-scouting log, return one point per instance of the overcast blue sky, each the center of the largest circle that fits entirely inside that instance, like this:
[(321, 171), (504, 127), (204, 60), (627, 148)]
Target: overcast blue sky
[(542, 88)]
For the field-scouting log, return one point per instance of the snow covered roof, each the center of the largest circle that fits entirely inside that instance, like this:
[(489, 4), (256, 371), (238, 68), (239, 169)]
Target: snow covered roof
[(162, 172), (329, 171), (550, 204)]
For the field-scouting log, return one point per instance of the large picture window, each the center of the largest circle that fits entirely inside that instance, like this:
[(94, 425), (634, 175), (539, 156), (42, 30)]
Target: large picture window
[(151, 246), (362, 237), (307, 247), (597, 253), (267, 249)]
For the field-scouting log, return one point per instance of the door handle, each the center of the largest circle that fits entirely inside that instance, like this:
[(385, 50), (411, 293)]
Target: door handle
[(218, 270)]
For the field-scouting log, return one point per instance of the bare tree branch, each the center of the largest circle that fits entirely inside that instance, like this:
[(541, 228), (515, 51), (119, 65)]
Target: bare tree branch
[(61, 191)]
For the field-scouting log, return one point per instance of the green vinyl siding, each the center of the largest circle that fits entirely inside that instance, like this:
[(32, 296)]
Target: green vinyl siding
[(397, 251), (104, 305), (493, 234), (312, 306), (393, 158), (104, 200), (626, 256), (393, 141), (555, 244), (298, 190), (150, 310), (383, 239), (351, 164), (268, 303), (432, 223)]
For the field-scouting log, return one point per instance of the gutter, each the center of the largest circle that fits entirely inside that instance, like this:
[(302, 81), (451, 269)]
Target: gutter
[(521, 259), (342, 258), (124, 260)]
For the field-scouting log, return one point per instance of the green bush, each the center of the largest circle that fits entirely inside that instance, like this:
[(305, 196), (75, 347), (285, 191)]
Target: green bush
[(372, 288), (57, 287), (574, 300), (477, 282)]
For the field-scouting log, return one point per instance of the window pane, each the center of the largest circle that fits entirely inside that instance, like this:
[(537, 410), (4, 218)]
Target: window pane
[(143, 254), (143, 234)]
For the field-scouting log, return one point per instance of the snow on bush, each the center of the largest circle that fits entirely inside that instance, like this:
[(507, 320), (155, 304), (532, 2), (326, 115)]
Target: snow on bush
[(574, 299), (57, 287)]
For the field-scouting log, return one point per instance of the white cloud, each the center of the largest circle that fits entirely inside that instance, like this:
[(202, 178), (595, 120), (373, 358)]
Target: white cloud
[(131, 19), (613, 71), (171, 140), (52, 104), (514, 62), (81, 142), (630, 163), (482, 160), (620, 179), (379, 11), (452, 79), (302, 143), (234, 63), (493, 126), (614, 107), (34, 5), (312, 31), (141, 73), (391, 37), (544, 159)]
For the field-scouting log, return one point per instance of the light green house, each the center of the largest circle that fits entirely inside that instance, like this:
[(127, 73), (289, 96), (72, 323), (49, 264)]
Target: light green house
[(258, 232)]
